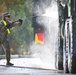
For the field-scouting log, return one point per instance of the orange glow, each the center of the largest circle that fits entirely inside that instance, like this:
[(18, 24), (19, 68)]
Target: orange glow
[(39, 38)]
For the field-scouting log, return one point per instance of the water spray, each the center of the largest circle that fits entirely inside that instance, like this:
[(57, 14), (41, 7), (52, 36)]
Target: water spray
[(47, 15)]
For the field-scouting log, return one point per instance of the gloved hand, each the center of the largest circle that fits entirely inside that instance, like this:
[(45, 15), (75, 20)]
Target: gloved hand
[(20, 20)]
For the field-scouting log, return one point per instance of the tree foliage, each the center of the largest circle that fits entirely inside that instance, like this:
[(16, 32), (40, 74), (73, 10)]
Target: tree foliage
[(20, 37)]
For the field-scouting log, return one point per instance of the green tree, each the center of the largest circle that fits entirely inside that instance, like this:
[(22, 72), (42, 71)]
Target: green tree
[(22, 36)]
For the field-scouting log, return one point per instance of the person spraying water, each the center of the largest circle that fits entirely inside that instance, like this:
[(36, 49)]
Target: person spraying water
[(5, 26)]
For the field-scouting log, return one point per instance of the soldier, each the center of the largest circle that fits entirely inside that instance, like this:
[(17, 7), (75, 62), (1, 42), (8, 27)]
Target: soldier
[(5, 26)]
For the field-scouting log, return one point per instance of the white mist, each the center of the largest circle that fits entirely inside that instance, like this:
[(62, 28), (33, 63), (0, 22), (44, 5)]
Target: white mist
[(48, 16)]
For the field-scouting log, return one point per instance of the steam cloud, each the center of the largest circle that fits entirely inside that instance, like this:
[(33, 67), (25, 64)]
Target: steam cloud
[(48, 16)]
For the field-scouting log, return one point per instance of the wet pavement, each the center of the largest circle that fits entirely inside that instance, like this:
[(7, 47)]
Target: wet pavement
[(27, 66)]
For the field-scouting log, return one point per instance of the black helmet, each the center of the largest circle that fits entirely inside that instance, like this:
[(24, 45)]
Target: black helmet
[(6, 14)]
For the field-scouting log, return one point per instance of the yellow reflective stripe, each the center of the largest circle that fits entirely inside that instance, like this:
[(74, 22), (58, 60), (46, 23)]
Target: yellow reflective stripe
[(4, 23), (8, 30)]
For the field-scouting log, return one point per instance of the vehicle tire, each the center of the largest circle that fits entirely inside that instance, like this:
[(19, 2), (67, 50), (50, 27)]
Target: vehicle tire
[(66, 48), (60, 57), (60, 51), (70, 50)]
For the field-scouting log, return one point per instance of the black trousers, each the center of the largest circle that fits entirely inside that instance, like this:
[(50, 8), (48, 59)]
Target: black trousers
[(6, 47)]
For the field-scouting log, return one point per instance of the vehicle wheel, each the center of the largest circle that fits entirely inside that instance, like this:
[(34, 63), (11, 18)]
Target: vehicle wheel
[(70, 49), (66, 48), (59, 57)]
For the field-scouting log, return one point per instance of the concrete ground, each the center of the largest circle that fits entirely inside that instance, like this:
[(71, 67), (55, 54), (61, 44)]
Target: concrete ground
[(26, 66)]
